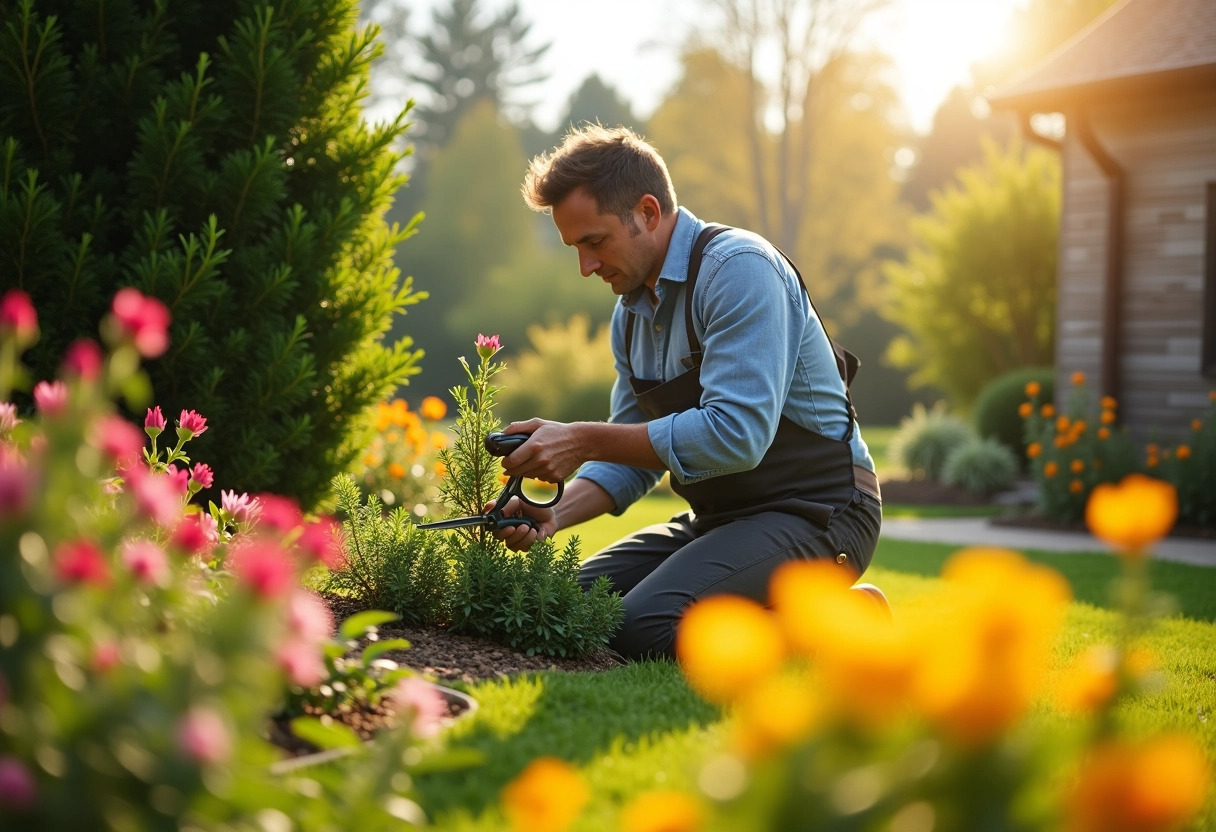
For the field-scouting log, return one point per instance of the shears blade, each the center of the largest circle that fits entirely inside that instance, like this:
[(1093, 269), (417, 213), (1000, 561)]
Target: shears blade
[(459, 523)]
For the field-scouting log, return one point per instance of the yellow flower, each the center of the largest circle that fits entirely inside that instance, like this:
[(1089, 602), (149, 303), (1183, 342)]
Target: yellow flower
[(998, 619), (547, 796), (1109, 403), (396, 470), (662, 811), (1092, 682), (1134, 514), (727, 643), (439, 468), (1033, 450), (1078, 378), (1152, 786), (439, 440), (1050, 469), (433, 408), (370, 460), (399, 412), (1032, 389), (777, 712), (1047, 411), (1183, 451), (392, 437)]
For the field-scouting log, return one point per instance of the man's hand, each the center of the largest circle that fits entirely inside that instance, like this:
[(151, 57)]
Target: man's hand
[(551, 454), (520, 538)]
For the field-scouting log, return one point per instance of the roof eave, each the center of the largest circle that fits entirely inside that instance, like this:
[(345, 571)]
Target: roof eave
[(1059, 99)]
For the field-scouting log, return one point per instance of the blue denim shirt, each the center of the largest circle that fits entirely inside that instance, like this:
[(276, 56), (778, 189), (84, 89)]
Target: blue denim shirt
[(765, 354)]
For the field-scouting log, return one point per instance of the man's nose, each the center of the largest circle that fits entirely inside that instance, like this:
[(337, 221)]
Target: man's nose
[(588, 264)]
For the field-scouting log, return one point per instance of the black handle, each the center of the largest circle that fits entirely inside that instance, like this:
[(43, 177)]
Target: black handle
[(501, 444)]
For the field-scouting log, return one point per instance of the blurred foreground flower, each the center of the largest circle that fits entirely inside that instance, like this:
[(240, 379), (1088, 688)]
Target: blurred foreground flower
[(662, 811), (547, 796), (1134, 514), (726, 644)]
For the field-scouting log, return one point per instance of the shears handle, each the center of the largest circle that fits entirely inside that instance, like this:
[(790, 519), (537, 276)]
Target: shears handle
[(502, 444)]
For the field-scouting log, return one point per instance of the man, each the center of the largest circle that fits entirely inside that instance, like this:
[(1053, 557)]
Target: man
[(748, 410)]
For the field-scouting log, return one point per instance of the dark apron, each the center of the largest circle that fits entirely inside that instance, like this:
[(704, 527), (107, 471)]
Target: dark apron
[(802, 472)]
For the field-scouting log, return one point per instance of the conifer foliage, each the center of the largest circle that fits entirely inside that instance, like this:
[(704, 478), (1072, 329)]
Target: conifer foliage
[(212, 153)]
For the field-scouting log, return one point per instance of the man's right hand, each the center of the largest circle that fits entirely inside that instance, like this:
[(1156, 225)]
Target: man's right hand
[(520, 538)]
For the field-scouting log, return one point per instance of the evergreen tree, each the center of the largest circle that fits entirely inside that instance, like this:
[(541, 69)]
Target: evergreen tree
[(213, 155)]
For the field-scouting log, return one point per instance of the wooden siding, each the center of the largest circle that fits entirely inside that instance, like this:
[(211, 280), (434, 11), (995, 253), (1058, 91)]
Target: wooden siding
[(1167, 148)]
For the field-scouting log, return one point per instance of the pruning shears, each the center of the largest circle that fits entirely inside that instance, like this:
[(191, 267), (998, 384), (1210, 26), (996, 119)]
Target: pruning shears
[(500, 444)]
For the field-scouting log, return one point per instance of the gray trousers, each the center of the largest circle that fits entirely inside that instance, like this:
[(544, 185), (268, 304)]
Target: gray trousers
[(661, 569)]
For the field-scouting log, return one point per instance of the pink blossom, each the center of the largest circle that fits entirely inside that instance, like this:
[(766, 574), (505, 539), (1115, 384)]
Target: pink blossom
[(203, 735), (146, 561), (17, 316), (196, 534), (105, 656), (18, 791), (154, 421), (156, 496), (180, 478), (144, 320), (302, 662), (191, 424), (117, 438), (487, 345), (308, 617), (280, 513), (322, 541), (201, 473), (8, 417), (424, 704), (264, 567), (51, 397), (243, 508), (80, 561), (16, 482), (83, 359)]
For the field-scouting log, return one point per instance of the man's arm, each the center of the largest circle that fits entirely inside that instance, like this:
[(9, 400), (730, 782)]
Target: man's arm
[(557, 449), (582, 500)]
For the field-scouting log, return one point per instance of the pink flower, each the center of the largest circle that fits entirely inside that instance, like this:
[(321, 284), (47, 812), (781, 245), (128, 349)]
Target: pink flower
[(16, 483), (51, 397), (146, 561), (280, 513), (8, 417), (203, 735), (322, 541), (143, 320), (157, 496), (196, 534), (117, 438), (201, 473), (154, 422), (17, 316), (105, 656), (83, 360), (264, 567), (180, 478), (302, 662), (18, 791), (80, 561), (309, 618), (191, 424), (424, 704), (487, 345), (243, 508)]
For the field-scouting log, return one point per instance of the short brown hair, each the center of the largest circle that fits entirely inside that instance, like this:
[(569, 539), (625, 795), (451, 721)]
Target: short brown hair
[(615, 165)]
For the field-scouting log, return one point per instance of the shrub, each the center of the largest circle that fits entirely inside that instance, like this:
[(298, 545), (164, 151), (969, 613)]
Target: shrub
[(925, 439), (981, 466), (995, 411), (214, 157)]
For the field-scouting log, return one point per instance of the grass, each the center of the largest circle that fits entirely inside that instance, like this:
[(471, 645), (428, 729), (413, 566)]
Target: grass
[(640, 727)]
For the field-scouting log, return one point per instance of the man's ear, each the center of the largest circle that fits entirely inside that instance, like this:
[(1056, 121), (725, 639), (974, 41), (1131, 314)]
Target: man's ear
[(651, 213)]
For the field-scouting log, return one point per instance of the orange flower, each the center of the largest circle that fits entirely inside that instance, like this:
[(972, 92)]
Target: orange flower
[(1108, 417), (433, 408), (439, 468), (1109, 403), (1032, 389), (1025, 409), (1152, 462), (547, 796), (1076, 466), (1104, 433), (1047, 411), (439, 440), (1033, 450), (662, 811), (396, 470), (1078, 378), (1212, 395), (1078, 427), (777, 712), (1050, 469), (1092, 682), (1134, 514), (392, 437), (1196, 424), (727, 643), (1062, 424), (370, 460), (1061, 441), (1152, 786), (1183, 451), (1152, 449), (1076, 487)]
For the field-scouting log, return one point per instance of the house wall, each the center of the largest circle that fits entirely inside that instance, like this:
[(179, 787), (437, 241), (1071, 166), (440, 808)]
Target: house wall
[(1167, 148)]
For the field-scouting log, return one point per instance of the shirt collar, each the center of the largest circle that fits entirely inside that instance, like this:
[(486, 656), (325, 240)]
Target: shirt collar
[(675, 263)]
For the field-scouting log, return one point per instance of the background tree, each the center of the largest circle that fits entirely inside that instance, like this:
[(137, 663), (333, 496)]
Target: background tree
[(218, 162), (977, 293)]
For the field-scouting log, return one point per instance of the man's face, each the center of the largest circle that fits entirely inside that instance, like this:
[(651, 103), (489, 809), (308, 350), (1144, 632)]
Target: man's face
[(621, 256)]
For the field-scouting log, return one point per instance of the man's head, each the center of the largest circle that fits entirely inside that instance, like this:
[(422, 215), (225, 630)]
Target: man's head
[(612, 198)]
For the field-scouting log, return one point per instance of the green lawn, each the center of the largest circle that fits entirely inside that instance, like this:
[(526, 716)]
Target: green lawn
[(640, 727)]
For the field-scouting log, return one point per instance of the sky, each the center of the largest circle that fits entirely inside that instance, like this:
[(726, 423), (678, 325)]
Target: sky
[(633, 46)]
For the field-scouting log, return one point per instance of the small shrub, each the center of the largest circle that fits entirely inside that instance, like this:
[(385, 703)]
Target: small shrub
[(995, 412), (981, 466), (926, 438)]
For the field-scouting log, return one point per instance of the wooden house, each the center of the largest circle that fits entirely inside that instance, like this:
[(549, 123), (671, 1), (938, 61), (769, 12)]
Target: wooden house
[(1137, 258)]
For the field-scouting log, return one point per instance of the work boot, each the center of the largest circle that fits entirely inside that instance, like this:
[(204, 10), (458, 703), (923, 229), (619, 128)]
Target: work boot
[(877, 596)]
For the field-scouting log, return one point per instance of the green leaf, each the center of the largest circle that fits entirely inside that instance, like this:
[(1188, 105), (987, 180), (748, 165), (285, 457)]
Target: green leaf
[(358, 623), (334, 735), (377, 648), (453, 759)]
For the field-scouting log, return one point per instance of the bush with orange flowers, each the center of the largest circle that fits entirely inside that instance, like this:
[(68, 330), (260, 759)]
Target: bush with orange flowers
[(401, 466), (845, 718)]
